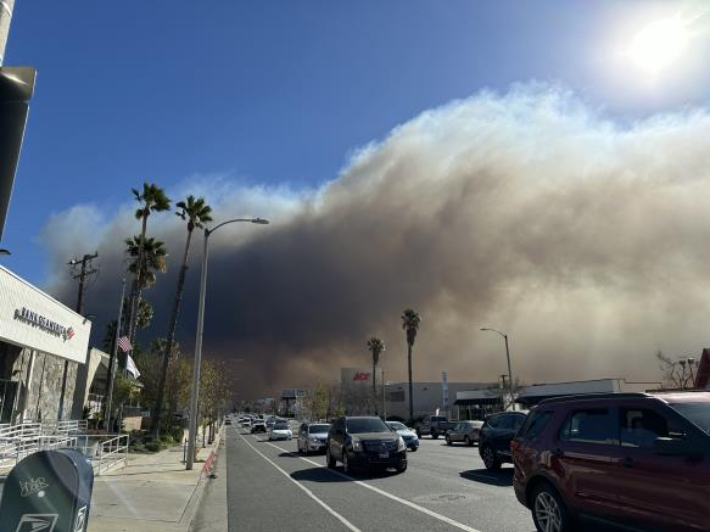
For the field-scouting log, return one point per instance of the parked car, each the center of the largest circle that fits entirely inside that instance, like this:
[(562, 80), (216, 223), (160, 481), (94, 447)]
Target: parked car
[(280, 431), (365, 442), (495, 437), (467, 432), (312, 437), (246, 422), (408, 435), (258, 426), (642, 460), (432, 426)]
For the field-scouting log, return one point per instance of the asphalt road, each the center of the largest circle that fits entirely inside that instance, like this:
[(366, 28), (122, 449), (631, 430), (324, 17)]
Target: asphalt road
[(444, 489)]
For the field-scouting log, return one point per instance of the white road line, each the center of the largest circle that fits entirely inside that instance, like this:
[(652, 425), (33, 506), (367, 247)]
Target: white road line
[(327, 508), (410, 504)]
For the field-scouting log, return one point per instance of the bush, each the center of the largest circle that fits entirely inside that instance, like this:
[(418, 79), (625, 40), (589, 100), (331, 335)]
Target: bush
[(166, 439), (152, 446), (178, 434)]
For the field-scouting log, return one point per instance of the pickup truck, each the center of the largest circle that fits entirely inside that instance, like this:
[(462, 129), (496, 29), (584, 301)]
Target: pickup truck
[(433, 426)]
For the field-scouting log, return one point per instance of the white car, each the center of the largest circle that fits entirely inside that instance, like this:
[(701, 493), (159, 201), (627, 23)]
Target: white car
[(408, 435), (280, 431)]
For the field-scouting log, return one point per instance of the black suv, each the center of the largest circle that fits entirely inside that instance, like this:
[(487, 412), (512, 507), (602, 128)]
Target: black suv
[(366, 441), (496, 434)]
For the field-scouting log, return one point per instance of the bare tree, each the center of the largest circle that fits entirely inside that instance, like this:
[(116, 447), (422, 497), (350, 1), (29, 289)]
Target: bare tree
[(676, 373)]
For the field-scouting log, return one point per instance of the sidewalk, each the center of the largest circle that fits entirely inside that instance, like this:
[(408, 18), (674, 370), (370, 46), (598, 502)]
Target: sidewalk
[(153, 492)]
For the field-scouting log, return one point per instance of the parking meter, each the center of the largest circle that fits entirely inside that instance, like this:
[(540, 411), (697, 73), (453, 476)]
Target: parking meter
[(49, 491)]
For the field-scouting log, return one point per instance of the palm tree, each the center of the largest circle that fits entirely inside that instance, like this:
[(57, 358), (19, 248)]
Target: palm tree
[(376, 347), (196, 213), (410, 324), (151, 199), (153, 257)]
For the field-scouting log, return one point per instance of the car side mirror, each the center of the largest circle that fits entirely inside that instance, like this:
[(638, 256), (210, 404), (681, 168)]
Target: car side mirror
[(671, 447)]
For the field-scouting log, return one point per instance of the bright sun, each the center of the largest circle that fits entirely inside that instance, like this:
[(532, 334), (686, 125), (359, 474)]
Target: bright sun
[(659, 45)]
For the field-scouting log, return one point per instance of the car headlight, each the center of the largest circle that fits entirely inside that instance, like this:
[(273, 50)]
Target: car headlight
[(357, 446), (401, 446)]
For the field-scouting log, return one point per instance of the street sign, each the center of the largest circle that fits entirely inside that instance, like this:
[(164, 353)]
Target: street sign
[(16, 89), (49, 491)]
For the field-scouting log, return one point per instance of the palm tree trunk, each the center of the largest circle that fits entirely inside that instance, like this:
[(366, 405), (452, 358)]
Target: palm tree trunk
[(374, 385), (136, 286), (411, 388), (171, 336)]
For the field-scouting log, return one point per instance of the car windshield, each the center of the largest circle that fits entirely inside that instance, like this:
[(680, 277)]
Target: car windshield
[(370, 424), (437, 418), (280, 426), (318, 429), (698, 413), (397, 426)]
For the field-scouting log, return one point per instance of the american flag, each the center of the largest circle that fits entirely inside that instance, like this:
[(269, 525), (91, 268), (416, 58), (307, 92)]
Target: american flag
[(124, 343)]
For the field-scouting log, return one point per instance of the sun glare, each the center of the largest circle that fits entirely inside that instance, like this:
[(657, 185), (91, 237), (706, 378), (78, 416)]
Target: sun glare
[(659, 45)]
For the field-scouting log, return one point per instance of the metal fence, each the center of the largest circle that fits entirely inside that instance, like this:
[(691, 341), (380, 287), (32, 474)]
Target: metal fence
[(104, 451)]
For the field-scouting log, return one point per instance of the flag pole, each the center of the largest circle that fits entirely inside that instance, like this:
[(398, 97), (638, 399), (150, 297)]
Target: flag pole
[(113, 359)]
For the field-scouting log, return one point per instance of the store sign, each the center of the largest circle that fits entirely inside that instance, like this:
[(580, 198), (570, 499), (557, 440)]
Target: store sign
[(34, 319), (361, 376)]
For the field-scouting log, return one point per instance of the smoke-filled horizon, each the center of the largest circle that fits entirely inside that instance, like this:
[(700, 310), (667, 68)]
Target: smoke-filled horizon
[(586, 241)]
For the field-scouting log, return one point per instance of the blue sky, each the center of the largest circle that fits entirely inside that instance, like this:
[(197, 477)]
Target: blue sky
[(282, 91)]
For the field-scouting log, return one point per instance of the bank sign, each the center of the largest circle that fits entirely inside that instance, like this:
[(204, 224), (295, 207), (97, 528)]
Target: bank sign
[(31, 318), (37, 320)]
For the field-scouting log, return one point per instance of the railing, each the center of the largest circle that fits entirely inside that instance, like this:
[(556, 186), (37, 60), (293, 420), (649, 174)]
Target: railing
[(111, 453), (104, 451)]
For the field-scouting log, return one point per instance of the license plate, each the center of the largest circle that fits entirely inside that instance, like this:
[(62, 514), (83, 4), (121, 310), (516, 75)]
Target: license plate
[(384, 455)]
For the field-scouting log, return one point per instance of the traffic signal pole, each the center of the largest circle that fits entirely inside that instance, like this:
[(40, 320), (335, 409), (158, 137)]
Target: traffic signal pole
[(6, 8)]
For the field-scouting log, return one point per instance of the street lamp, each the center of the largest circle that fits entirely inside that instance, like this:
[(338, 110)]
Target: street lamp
[(507, 354), (198, 342)]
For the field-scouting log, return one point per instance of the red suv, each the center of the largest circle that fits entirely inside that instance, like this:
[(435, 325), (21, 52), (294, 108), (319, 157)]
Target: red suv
[(639, 460)]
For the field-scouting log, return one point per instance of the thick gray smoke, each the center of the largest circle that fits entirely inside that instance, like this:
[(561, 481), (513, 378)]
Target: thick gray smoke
[(586, 241)]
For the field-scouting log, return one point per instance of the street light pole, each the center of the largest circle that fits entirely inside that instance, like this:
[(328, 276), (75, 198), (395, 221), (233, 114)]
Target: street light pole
[(510, 371), (191, 441)]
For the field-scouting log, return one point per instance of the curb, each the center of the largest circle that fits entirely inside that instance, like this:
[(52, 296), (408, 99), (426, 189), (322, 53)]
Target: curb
[(196, 498)]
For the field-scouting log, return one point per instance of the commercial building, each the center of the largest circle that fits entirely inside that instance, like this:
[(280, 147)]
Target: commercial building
[(531, 395), (41, 340), (428, 397)]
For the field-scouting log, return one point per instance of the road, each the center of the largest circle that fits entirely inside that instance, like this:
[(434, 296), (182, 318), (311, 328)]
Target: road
[(270, 486)]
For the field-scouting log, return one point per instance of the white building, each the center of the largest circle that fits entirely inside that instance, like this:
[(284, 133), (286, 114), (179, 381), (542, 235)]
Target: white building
[(41, 340), (428, 397)]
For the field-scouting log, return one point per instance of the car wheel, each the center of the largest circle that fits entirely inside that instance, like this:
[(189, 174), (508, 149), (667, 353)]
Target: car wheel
[(490, 458), (329, 459), (549, 511), (401, 468), (419, 434), (468, 441), (434, 436), (448, 441)]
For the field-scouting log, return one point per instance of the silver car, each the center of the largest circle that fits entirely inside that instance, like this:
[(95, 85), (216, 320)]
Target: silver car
[(312, 437), (468, 432)]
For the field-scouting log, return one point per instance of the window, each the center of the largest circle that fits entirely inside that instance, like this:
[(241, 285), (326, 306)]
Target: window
[(507, 422), (535, 424), (518, 422), (698, 413), (493, 422), (590, 426), (640, 427)]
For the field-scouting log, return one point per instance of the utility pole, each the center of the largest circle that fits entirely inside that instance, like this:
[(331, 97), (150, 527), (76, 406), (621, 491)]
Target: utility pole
[(6, 8), (84, 272)]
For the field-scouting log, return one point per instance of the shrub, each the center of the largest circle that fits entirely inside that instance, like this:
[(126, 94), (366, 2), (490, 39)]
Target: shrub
[(152, 446)]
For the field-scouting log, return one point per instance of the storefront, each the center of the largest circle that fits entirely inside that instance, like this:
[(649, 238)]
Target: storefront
[(41, 340)]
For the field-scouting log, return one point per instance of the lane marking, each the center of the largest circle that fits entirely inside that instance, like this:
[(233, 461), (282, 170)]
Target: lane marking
[(384, 493), (308, 492)]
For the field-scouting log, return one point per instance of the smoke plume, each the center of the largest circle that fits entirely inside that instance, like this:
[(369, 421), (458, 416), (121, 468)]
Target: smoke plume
[(530, 212)]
